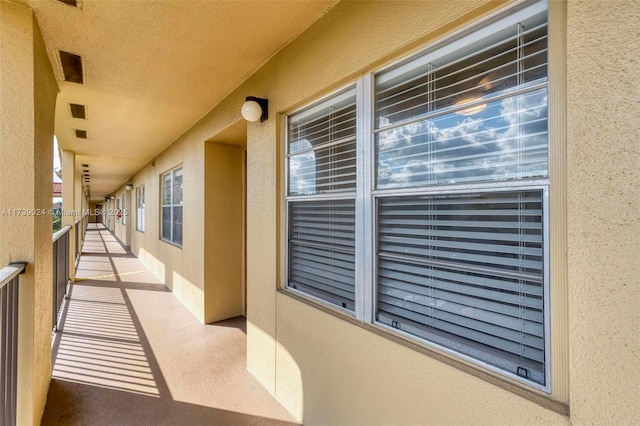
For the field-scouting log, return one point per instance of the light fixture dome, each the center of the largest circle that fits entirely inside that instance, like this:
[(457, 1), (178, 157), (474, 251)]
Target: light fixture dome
[(251, 111), (255, 109), (473, 109)]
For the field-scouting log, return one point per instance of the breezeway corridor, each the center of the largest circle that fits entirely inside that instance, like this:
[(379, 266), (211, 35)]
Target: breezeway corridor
[(130, 353)]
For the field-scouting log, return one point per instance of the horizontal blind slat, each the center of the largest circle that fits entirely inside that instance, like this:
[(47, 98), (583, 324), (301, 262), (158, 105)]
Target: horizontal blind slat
[(506, 327), (498, 288), (464, 332)]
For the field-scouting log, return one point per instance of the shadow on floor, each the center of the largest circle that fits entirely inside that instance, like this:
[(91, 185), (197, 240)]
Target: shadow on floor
[(130, 354)]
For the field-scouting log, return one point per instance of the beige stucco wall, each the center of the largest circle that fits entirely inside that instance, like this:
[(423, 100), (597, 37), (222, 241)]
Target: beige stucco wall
[(27, 102), (223, 232), (326, 370), (181, 268), (603, 170)]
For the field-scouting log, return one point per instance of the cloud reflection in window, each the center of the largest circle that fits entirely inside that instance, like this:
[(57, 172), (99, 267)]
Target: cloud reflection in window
[(302, 168), (508, 140)]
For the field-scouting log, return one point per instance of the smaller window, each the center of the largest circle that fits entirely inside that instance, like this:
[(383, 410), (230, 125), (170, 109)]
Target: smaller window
[(124, 210), (140, 208), (171, 211)]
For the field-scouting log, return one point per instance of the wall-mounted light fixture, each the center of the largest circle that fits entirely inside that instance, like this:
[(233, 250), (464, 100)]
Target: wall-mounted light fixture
[(255, 108), (128, 187), (476, 107), (471, 87), (106, 198), (113, 197)]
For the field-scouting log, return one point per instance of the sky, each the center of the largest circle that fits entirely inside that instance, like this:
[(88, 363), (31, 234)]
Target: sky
[(56, 160)]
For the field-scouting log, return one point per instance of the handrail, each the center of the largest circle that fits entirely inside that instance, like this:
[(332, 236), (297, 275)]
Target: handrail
[(11, 271), (61, 232)]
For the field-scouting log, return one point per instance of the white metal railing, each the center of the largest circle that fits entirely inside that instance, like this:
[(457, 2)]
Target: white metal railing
[(61, 247), (9, 286)]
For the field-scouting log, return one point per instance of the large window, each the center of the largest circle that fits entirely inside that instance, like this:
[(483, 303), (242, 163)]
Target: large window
[(322, 182), (442, 231), (140, 208), (171, 211)]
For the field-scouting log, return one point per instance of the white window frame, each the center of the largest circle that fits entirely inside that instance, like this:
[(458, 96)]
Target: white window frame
[(140, 208), (366, 194), (171, 238)]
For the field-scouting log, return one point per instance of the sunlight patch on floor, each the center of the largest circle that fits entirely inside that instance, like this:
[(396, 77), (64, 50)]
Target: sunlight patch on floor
[(100, 346)]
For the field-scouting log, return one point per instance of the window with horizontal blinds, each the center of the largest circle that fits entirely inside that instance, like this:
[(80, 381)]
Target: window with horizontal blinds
[(171, 219), (466, 271), (140, 207), (462, 265), (321, 165), (322, 250)]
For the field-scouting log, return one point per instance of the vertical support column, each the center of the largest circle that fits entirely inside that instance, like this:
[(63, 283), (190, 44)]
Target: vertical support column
[(69, 204), (27, 107), (128, 218), (262, 261), (77, 216)]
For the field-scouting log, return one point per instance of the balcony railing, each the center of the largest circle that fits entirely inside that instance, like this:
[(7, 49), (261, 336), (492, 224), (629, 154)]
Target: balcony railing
[(60, 271), (9, 285), (81, 230)]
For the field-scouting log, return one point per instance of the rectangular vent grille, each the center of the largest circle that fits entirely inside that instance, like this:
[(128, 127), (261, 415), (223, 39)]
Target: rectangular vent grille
[(78, 111), (72, 67), (73, 3), (82, 134)]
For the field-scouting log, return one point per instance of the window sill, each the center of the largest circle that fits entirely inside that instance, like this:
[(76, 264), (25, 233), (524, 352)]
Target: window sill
[(170, 243), (493, 378)]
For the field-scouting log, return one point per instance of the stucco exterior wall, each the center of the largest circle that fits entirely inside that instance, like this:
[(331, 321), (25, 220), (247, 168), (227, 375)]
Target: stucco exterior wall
[(181, 268), (27, 102), (223, 232), (603, 135), (327, 370)]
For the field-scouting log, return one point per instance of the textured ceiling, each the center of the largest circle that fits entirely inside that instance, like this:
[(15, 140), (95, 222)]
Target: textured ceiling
[(153, 68)]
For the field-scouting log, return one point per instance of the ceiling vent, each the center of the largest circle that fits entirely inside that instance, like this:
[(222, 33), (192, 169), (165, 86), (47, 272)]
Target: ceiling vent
[(78, 111), (81, 134), (73, 3), (71, 67)]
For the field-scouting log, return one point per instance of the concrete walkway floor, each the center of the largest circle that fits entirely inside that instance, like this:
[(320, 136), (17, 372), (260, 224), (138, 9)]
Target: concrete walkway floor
[(131, 354)]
